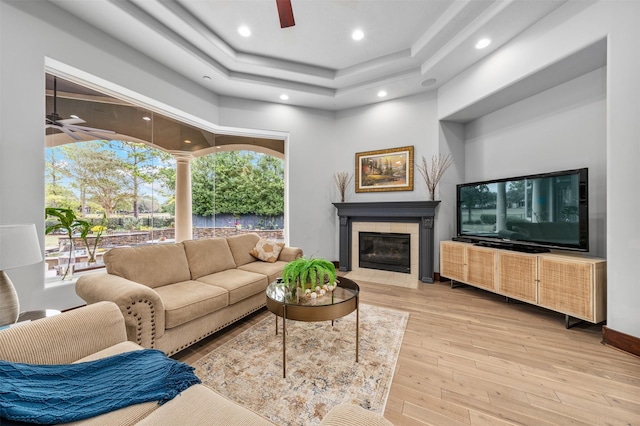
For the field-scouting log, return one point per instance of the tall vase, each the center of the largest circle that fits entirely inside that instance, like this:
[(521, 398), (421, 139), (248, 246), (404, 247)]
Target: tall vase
[(91, 256), (9, 304), (71, 263)]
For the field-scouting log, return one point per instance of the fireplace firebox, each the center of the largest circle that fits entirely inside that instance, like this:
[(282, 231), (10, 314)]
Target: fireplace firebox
[(385, 251)]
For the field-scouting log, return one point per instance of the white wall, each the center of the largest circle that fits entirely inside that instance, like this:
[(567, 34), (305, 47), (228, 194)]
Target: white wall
[(452, 142), (565, 32), (559, 129), (400, 122), (623, 178)]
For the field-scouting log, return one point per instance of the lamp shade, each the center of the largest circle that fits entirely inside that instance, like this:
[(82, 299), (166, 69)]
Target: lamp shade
[(19, 246)]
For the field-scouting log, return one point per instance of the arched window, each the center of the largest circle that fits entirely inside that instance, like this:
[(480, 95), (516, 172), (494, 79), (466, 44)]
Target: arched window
[(114, 166)]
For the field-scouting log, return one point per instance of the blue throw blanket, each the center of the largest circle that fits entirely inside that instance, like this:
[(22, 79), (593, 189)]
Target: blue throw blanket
[(47, 394)]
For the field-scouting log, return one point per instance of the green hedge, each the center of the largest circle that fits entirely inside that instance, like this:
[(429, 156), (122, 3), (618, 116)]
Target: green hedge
[(488, 219)]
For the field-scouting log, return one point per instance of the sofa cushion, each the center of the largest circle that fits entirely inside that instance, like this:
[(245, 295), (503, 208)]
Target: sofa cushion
[(240, 284), (116, 349), (267, 250), (241, 246), (208, 256), (200, 405), (353, 415), (271, 270), (153, 266), (125, 416), (188, 300)]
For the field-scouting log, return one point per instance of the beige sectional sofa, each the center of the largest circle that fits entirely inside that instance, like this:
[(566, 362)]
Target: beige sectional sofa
[(173, 295), (97, 331)]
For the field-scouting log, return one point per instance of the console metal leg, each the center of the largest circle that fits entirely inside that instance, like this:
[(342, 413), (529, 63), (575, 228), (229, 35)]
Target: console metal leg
[(567, 322), (456, 284)]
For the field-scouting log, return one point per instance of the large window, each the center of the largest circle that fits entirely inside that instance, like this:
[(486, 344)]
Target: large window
[(118, 173)]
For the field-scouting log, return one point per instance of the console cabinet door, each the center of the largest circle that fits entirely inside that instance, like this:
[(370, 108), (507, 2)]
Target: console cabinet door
[(453, 260), (518, 276), (481, 267), (570, 286)]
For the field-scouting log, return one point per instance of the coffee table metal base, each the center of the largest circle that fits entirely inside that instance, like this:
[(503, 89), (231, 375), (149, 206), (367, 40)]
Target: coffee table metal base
[(285, 308)]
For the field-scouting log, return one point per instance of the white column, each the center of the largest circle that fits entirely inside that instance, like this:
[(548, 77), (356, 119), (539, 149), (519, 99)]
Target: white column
[(183, 219), (539, 202), (501, 207), (551, 202)]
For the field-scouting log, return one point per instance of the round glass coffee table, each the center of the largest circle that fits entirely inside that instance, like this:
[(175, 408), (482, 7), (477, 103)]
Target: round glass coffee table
[(333, 305)]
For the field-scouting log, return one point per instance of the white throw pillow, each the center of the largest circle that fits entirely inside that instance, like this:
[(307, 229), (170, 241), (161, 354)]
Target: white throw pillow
[(267, 250)]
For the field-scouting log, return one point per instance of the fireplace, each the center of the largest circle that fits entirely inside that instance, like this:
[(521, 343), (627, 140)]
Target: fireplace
[(385, 251), (420, 214)]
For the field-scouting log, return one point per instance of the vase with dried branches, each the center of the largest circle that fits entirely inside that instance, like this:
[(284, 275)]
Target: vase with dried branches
[(432, 172), (342, 180)]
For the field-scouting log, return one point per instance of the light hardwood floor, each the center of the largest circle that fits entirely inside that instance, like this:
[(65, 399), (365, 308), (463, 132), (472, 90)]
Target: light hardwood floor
[(470, 358)]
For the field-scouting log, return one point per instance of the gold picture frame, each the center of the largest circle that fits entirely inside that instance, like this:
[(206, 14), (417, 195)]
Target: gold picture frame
[(385, 170)]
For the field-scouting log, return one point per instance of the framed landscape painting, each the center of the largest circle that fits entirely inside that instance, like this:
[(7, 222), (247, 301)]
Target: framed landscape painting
[(385, 170)]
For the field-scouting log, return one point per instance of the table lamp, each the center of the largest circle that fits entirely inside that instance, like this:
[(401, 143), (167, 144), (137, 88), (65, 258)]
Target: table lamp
[(19, 246)]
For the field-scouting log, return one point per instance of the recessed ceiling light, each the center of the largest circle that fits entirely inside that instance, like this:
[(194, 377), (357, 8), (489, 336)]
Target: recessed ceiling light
[(357, 35), (482, 43), (244, 31), (74, 116), (146, 118), (382, 94), (206, 77), (187, 141), (284, 97)]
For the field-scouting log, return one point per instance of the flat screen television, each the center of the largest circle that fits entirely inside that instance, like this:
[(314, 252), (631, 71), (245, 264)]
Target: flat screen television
[(534, 213)]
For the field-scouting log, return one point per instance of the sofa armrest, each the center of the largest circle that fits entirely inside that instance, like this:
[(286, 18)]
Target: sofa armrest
[(353, 415), (64, 338), (140, 305), (290, 253)]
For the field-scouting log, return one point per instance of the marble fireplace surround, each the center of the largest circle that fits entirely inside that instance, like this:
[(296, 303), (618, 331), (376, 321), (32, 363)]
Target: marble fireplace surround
[(420, 212), (380, 276)]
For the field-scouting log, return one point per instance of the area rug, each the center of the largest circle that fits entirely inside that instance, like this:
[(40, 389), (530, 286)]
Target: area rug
[(321, 367)]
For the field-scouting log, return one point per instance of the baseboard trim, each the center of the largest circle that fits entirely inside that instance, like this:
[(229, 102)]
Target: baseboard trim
[(620, 340)]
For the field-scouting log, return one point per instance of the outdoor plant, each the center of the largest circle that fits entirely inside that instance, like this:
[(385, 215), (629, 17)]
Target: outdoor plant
[(303, 271), (69, 223), (66, 221), (97, 230)]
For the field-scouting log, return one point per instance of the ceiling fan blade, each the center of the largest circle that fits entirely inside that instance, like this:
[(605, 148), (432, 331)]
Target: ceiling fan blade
[(285, 12), (90, 129), (68, 132), (70, 125), (93, 134), (68, 121)]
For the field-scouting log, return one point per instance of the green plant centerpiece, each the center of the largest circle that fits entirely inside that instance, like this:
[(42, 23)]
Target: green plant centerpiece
[(312, 278)]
